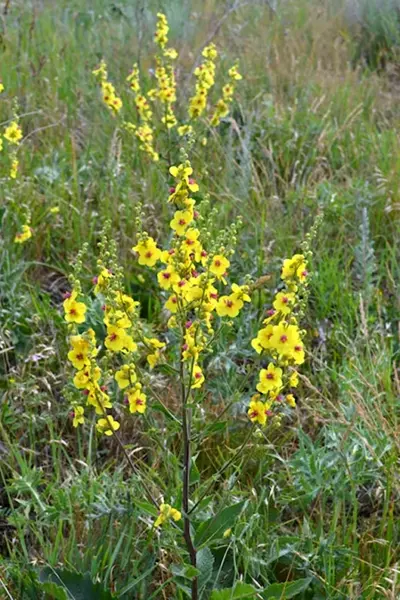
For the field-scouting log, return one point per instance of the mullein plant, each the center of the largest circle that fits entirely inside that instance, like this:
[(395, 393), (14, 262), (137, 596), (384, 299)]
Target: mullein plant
[(10, 140), (156, 111), (193, 279), (112, 370)]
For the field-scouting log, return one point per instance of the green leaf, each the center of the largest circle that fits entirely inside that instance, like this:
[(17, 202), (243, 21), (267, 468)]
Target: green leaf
[(239, 591), (54, 591), (214, 528), (78, 586), (146, 507), (186, 571), (284, 591), (205, 563), (194, 472)]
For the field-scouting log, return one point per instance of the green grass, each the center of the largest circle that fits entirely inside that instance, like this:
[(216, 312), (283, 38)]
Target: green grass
[(315, 128)]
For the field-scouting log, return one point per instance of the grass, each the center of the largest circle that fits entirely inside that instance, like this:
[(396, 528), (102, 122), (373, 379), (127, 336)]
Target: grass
[(315, 127)]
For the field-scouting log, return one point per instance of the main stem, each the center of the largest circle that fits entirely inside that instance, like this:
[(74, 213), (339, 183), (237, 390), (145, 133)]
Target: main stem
[(186, 426)]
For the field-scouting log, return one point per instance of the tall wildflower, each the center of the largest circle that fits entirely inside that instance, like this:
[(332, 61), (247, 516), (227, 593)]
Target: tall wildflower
[(157, 108), (114, 368)]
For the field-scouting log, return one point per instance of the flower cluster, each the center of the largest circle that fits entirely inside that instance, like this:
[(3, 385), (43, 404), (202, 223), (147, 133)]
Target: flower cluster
[(113, 361), (166, 513), (205, 76), (193, 269), (162, 29), (143, 130), (192, 276), (110, 97), (280, 342), (24, 235), (13, 135), (156, 105), (223, 104)]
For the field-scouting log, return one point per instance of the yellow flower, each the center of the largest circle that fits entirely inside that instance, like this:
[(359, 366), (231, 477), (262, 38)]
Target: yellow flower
[(154, 342), (101, 70), (290, 265), (137, 401), (79, 358), (257, 411), (116, 104), (302, 272), (172, 304), (115, 339), (1, 87), (74, 311), (264, 336), (166, 512), (107, 426), (284, 338), (171, 53), (234, 73), (185, 130), (256, 344), (79, 418), (125, 376), (129, 344), (219, 265), (127, 303), (167, 278), (210, 51), (148, 252), (102, 280), (181, 220), (297, 353), (82, 379), (99, 399), (181, 172), (241, 292), (294, 379), (23, 235), (54, 210), (283, 302), (229, 306), (14, 169), (13, 133), (198, 377), (290, 399), (270, 379), (154, 357)]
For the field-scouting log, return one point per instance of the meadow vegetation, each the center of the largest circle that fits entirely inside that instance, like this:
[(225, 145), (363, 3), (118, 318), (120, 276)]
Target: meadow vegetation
[(301, 504)]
